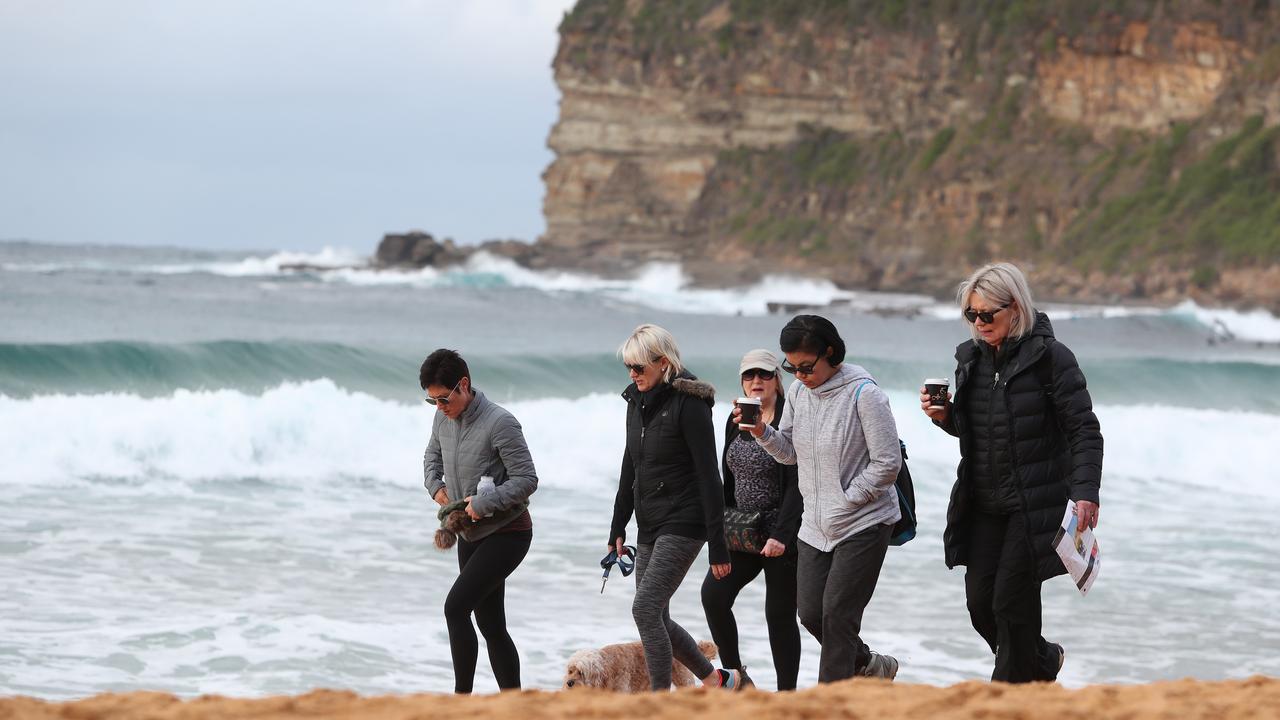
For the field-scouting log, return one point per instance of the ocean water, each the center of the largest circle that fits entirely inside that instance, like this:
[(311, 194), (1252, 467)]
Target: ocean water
[(211, 474)]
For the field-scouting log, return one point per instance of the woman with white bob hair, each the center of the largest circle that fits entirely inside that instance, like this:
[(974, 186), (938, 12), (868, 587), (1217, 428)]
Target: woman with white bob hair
[(670, 482), (1029, 441)]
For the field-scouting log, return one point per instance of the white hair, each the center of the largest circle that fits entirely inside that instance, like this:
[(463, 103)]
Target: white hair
[(1001, 284), (647, 344)]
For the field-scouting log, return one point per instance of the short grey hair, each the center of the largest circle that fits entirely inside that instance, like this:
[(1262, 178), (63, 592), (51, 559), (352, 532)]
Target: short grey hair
[(1000, 284), (648, 343)]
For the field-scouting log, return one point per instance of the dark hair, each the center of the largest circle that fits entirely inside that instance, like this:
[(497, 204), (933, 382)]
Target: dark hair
[(812, 333), (444, 368)]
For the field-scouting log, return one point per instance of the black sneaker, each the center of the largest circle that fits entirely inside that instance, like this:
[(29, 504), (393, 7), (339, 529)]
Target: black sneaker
[(881, 666), (1062, 655), (744, 680)]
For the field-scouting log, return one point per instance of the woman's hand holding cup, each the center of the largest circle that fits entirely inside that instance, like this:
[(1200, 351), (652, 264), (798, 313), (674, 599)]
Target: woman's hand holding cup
[(929, 401), (756, 429)]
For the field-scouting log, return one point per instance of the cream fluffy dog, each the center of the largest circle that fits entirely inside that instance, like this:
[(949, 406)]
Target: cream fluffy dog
[(621, 668)]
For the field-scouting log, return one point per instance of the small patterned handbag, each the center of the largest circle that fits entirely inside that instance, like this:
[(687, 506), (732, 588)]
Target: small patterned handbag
[(743, 531)]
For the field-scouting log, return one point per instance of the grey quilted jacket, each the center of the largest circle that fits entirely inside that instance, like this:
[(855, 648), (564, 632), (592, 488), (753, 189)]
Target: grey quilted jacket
[(484, 440)]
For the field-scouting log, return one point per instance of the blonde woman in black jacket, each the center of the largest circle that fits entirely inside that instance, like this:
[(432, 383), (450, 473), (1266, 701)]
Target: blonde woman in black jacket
[(669, 480)]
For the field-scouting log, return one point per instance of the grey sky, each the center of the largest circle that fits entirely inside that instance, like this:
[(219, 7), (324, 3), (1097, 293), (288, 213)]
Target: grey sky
[(270, 124)]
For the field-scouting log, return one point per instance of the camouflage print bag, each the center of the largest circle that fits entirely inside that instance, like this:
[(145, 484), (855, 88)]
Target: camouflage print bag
[(743, 531)]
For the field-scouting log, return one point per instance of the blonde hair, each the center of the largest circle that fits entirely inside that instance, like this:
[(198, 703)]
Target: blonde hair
[(1001, 284), (647, 344)]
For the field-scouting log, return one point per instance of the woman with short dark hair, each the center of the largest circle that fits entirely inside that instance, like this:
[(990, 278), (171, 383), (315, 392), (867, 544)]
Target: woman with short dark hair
[(473, 439), (838, 429), (1029, 441)]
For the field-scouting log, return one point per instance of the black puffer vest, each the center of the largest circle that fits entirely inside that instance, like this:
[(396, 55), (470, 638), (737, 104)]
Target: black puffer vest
[(985, 411), (1054, 442), (668, 492)]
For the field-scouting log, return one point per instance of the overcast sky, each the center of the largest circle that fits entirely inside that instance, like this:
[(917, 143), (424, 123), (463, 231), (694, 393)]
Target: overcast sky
[(274, 124)]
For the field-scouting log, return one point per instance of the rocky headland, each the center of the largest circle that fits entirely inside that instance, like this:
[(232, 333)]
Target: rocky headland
[(1120, 152)]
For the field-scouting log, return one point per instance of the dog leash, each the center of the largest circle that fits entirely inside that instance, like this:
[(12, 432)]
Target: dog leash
[(626, 563)]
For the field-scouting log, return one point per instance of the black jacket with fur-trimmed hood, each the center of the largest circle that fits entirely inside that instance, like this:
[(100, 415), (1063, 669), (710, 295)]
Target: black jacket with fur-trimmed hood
[(1054, 442), (669, 477)]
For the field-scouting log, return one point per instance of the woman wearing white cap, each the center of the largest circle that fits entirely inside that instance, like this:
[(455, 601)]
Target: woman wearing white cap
[(756, 483)]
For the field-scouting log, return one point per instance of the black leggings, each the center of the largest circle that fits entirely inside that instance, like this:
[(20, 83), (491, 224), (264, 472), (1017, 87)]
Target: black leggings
[(779, 611), (484, 565)]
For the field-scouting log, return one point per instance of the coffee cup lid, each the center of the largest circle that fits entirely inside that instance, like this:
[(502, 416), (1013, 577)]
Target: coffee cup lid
[(937, 381), (751, 400)]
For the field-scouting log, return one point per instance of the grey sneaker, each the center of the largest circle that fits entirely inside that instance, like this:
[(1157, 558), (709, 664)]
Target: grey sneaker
[(744, 679), (881, 666)]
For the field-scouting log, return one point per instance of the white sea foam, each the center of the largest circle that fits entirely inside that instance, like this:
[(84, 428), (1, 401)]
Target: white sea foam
[(254, 266), (299, 432), (274, 543), (662, 285), (1257, 325)]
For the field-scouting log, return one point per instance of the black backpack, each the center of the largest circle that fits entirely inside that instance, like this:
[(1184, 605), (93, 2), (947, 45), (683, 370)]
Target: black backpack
[(905, 529)]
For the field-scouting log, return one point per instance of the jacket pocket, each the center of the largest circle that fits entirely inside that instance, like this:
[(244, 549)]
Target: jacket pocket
[(653, 504)]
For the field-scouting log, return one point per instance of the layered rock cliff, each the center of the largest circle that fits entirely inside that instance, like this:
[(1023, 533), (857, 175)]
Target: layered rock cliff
[(894, 144)]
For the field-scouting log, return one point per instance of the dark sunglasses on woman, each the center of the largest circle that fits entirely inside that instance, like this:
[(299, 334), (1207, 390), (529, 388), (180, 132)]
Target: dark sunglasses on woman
[(987, 317), (638, 368), (805, 369), (444, 400), (765, 375)]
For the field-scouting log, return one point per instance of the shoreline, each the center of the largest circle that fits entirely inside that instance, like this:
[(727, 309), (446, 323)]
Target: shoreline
[(1255, 697), (1239, 289)]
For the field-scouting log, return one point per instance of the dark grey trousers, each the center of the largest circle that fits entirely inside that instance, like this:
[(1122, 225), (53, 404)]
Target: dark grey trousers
[(833, 589), (659, 569)]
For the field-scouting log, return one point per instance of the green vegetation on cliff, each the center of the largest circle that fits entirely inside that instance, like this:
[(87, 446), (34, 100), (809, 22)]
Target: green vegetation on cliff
[(1223, 205), (660, 29), (1144, 200)]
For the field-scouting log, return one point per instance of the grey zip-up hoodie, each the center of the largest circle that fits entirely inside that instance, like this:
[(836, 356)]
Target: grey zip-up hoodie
[(847, 455), (484, 440)]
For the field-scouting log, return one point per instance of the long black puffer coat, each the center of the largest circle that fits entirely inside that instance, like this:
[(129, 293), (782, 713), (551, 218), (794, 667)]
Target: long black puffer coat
[(1055, 442), (669, 477)]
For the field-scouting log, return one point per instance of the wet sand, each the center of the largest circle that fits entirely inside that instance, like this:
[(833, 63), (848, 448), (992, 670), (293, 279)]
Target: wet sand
[(1257, 697)]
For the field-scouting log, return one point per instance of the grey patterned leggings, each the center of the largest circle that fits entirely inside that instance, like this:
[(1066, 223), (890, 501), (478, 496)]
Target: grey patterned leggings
[(659, 569)]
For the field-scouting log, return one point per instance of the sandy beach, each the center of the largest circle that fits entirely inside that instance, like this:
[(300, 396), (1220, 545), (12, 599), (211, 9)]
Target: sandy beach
[(1256, 697)]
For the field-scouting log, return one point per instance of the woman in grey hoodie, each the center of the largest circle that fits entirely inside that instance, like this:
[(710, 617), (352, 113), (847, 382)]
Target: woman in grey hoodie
[(472, 438), (838, 429)]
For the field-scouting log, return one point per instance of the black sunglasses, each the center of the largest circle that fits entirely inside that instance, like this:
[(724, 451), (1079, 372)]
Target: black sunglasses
[(444, 400), (987, 317), (805, 369), (765, 375), (638, 368)]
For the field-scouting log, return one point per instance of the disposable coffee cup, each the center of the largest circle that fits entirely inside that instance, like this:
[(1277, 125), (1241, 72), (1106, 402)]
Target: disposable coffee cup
[(750, 408), (937, 390)]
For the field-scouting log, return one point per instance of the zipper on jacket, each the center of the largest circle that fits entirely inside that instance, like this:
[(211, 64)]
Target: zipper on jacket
[(817, 475), (992, 467)]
